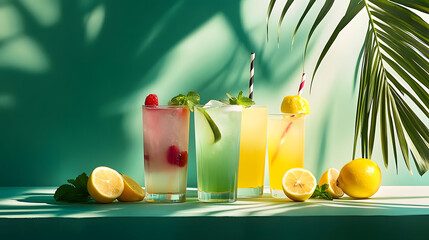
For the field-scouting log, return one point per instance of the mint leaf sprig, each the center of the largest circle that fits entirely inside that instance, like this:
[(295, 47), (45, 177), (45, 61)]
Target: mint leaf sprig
[(75, 191), (240, 100), (320, 192), (191, 100)]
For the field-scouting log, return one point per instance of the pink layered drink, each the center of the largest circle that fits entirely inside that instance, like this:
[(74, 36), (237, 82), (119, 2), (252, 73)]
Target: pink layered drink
[(165, 139)]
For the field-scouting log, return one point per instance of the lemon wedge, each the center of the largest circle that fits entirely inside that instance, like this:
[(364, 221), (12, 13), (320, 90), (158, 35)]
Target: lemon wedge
[(132, 190), (105, 185), (330, 177), (295, 104), (299, 184)]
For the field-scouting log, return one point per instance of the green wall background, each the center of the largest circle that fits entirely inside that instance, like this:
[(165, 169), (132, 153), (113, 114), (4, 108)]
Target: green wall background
[(74, 74)]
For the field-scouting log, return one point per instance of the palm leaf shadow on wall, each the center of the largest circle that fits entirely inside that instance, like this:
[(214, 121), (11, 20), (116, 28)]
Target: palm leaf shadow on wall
[(56, 122)]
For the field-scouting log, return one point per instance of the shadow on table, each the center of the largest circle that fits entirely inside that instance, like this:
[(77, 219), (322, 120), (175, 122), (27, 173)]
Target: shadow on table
[(37, 212), (390, 198), (41, 204), (353, 202)]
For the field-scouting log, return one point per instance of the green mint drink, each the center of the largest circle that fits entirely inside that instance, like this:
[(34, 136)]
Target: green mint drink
[(217, 158)]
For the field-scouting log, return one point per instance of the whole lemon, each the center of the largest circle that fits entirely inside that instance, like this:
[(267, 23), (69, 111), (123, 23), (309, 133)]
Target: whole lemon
[(360, 178)]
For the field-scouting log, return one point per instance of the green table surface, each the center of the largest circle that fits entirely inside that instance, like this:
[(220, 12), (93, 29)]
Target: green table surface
[(394, 211)]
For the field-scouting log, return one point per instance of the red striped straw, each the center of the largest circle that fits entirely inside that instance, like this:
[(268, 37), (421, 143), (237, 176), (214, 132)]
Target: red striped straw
[(283, 137), (301, 86)]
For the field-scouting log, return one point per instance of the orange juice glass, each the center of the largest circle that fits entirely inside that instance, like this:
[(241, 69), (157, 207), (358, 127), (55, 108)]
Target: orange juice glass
[(286, 136), (253, 146)]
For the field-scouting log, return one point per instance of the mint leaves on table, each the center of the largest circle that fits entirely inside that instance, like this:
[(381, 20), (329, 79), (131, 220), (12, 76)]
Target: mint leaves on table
[(320, 192), (190, 100), (240, 100), (75, 191)]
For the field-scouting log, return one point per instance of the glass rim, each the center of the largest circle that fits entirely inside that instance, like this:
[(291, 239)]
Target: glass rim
[(228, 105), (286, 114), (164, 106), (217, 106), (256, 106)]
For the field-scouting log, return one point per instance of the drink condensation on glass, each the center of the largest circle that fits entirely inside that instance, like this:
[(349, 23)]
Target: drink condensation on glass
[(253, 146), (165, 143), (286, 136), (217, 162)]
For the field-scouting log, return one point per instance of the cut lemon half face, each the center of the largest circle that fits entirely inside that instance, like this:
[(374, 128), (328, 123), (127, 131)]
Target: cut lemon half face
[(105, 185), (330, 177), (295, 104), (299, 184), (132, 190)]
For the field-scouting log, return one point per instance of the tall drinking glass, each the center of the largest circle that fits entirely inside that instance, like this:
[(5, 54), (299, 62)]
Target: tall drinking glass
[(165, 139), (253, 146), (217, 162), (286, 136)]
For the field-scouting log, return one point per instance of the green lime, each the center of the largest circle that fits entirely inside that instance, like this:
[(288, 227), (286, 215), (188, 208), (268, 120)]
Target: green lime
[(216, 132)]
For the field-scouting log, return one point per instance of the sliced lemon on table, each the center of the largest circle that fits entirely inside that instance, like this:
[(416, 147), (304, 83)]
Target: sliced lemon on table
[(105, 185), (330, 177), (295, 104), (299, 184), (132, 190)]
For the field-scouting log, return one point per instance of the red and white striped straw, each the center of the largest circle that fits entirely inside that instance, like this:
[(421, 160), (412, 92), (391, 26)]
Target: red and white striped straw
[(301, 86), (282, 139), (252, 73)]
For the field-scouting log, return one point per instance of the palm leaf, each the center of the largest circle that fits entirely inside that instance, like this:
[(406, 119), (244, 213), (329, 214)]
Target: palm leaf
[(400, 131), (269, 11), (392, 132), (358, 62), (362, 92), (282, 16), (325, 9), (383, 124), (420, 5), (309, 5), (394, 77), (352, 10)]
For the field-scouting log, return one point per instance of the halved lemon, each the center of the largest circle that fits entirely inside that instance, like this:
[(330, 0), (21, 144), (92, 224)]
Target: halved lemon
[(330, 177), (105, 185), (298, 184), (132, 190)]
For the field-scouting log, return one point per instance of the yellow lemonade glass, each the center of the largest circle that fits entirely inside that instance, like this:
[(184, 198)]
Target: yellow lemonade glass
[(285, 148), (253, 146)]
